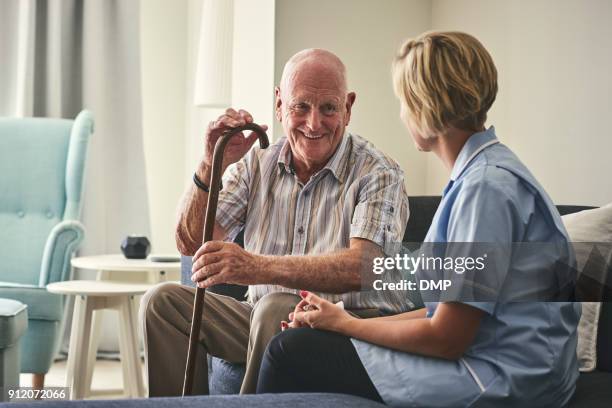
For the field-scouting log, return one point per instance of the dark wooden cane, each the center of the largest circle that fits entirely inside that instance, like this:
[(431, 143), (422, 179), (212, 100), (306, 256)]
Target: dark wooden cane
[(209, 224)]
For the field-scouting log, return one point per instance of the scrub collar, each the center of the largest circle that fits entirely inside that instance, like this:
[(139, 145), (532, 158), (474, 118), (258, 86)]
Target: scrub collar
[(474, 145)]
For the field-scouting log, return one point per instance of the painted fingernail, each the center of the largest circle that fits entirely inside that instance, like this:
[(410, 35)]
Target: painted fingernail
[(284, 325), (303, 293)]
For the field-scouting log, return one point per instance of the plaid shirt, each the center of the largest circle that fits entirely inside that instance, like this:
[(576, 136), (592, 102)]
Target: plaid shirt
[(359, 194)]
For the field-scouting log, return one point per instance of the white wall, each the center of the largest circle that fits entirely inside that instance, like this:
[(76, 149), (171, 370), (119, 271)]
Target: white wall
[(164, 71), (253, 59), (554, 59), (365, 34), (252, 74)]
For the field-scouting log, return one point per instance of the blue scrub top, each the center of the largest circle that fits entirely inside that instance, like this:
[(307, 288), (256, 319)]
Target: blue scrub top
[(524, 353)]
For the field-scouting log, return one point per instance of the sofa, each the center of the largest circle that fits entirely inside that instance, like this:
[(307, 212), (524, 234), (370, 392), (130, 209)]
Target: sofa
[(216, 401), (594, 389)]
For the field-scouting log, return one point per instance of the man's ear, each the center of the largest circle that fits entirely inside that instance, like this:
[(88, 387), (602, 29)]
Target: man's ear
[(350, 100), (277, 104)]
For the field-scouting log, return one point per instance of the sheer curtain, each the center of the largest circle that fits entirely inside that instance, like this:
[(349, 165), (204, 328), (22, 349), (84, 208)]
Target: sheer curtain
[(60, 56)]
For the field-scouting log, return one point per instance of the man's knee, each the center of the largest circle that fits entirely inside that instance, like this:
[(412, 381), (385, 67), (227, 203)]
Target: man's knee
[(156, 299), (274, 307)]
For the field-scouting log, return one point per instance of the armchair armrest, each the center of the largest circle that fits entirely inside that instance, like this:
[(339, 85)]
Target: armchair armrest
[(63, 240)]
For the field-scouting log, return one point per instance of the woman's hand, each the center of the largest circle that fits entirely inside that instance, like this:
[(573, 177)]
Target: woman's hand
[(292, 324), (318, 313)]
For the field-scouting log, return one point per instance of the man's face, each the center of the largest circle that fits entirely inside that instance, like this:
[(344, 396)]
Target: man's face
[(314, 110)]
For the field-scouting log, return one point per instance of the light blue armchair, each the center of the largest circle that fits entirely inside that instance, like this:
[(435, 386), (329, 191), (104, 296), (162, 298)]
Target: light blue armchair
[(41, 178)]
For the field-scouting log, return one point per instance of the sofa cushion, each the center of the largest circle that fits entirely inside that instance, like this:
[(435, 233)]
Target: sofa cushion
[(217, 401), (422, 210), (13, 322), (42, 305), (604, 338), (591, 234), (593, 390)]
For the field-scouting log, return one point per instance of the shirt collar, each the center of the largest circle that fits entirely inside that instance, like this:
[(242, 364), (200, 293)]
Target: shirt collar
[(474, 145), (284, 158), (337, 164)]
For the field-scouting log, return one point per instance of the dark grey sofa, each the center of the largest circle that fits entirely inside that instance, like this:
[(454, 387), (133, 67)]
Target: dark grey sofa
[(593, 390), (216, 401)]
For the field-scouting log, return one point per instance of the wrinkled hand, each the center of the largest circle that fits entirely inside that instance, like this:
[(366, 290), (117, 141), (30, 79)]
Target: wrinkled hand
[(318, 313), (238, 146), (224, 262)]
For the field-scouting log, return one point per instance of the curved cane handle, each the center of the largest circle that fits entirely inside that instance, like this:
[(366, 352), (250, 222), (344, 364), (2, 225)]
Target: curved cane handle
[(209, 225)]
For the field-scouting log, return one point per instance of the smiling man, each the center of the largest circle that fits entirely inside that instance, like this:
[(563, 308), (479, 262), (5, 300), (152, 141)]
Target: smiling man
[(317, 207)]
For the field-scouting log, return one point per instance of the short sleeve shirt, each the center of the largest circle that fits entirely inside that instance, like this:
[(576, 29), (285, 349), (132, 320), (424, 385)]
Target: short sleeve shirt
[(524, 353), (359, 193)]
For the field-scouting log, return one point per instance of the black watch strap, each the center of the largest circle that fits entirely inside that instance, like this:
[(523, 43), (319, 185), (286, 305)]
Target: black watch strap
[(201, 185)]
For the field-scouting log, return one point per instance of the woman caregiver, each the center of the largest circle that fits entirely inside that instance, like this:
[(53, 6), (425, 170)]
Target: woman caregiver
[(451, 353)]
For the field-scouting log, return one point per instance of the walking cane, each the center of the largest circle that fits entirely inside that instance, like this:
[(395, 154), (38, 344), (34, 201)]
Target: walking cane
[(209, 225)]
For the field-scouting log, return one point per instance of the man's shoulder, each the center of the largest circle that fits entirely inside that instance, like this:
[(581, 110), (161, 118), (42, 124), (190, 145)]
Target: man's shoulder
[(366, 155), (269, 155)]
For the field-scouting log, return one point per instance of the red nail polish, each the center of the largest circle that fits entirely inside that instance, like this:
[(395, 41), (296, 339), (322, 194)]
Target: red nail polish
[(303, 293)]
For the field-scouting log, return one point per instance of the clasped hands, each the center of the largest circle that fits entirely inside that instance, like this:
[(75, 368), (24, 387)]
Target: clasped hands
[(317, 313)]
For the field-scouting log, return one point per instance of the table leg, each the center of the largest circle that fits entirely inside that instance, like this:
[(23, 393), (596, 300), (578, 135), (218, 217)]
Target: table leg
[(128, 388), (79, 343), (93, 348), (70, 364), (95, 338), (130, 352)]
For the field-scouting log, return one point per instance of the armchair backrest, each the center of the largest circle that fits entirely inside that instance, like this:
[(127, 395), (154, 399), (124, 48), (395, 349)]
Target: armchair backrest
[(41, 177)]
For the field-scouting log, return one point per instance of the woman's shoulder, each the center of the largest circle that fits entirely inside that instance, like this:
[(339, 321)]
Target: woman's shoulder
[(488, 176)]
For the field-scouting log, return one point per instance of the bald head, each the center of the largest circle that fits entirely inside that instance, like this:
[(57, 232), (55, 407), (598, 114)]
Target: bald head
[(314, 108), (314, 61)]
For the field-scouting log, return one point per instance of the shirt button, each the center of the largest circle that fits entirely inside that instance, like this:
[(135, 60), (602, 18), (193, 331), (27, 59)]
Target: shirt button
[(301, 230), (20, 214), (49, 214)]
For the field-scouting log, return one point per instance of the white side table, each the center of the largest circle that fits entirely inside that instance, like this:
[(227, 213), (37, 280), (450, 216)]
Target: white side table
[(104, 265), (96, 295)]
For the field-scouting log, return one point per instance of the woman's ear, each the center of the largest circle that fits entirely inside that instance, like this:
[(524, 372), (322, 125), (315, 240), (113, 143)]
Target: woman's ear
[(277, 104)]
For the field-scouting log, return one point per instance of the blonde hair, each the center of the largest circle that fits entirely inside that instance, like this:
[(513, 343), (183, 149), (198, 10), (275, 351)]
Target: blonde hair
[(445, 79)]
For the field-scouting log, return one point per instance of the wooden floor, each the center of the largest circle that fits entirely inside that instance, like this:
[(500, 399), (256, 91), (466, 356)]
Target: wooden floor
[(107, 378)]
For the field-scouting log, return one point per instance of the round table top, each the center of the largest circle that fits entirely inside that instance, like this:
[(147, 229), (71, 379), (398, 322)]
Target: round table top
[(98, 288), (118, 262)]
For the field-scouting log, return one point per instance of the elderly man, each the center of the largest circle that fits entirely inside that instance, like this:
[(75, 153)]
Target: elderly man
[(316, 207)]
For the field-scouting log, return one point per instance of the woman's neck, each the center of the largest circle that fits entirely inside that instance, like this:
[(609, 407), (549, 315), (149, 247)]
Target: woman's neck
[(449, 145)]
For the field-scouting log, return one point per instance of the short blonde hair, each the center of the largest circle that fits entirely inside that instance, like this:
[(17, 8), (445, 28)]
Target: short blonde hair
[(445, 79)]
